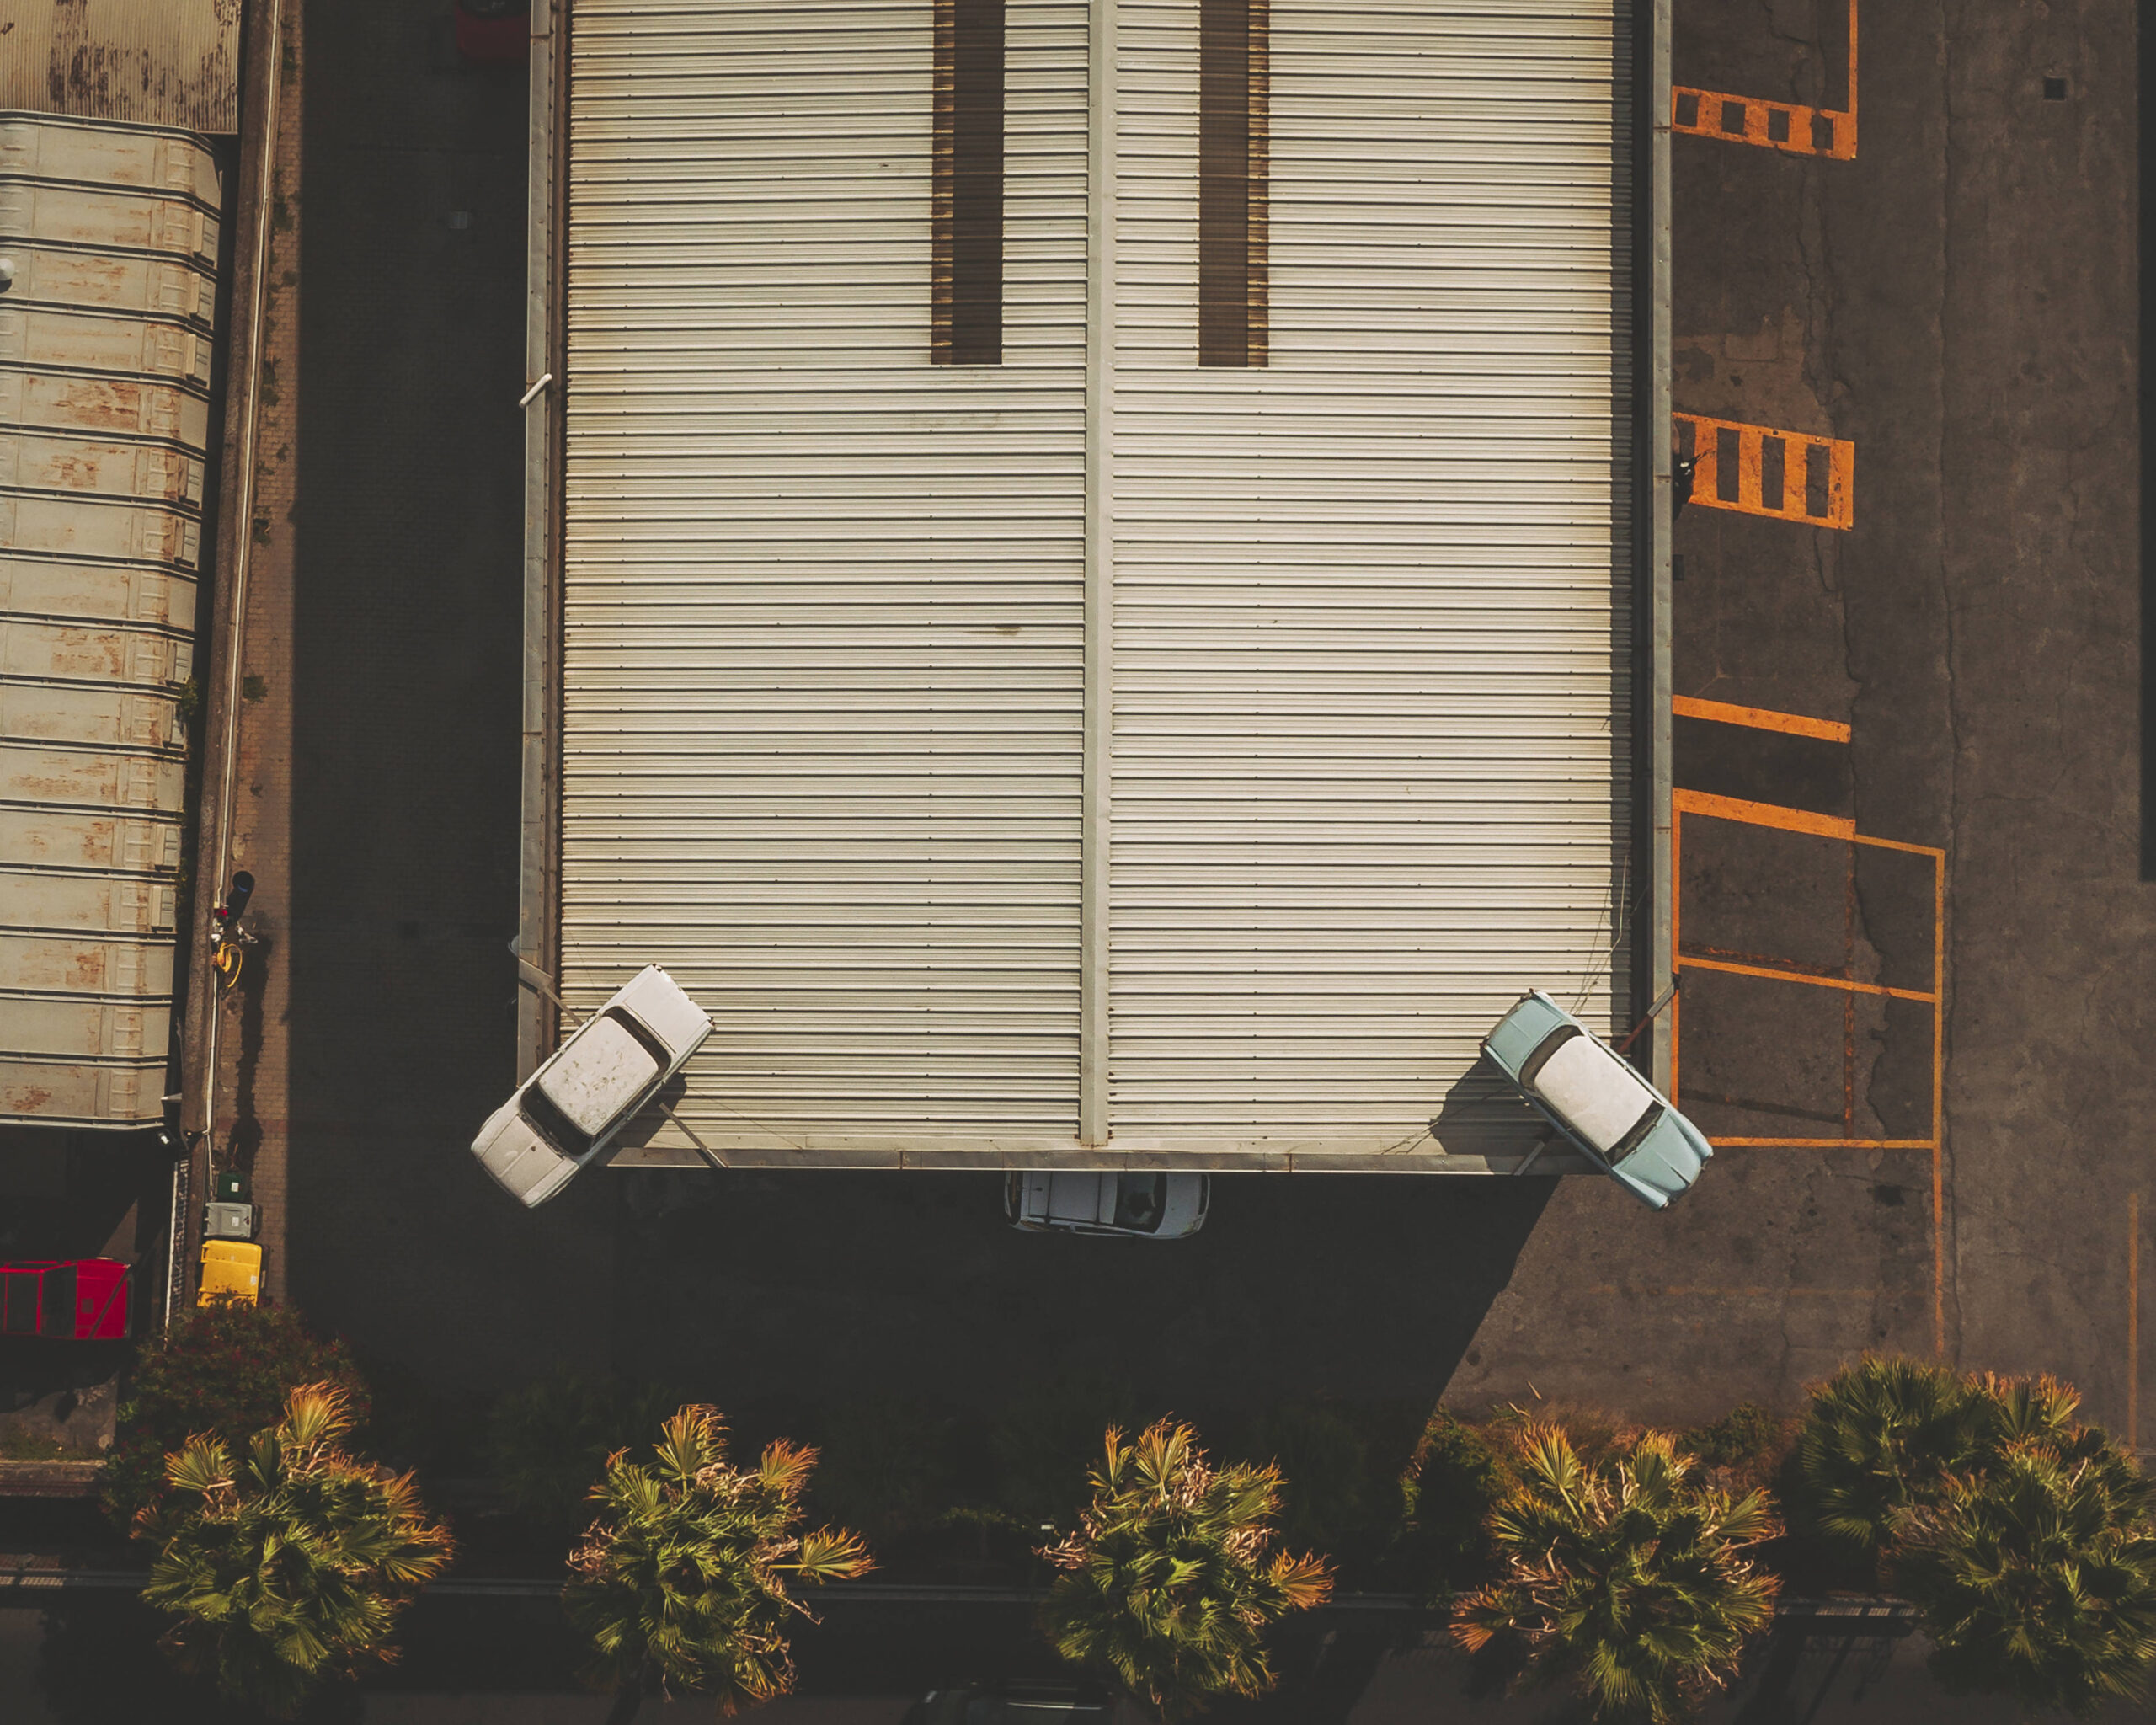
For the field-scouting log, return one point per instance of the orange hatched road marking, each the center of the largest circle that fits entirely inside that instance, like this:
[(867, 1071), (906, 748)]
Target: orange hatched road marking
[(1758, 719), (1705, 114), (1792, 501)]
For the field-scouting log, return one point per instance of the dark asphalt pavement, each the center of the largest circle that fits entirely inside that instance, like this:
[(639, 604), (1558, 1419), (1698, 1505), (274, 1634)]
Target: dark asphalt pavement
[(1957, 301)]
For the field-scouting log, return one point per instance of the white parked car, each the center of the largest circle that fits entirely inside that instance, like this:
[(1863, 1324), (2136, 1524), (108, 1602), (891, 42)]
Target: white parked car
[(592, 1085), (1141, 1205)]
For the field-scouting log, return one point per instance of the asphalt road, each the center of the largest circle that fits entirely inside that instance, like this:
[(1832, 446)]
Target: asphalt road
[(1955, 300), (87, 1667)]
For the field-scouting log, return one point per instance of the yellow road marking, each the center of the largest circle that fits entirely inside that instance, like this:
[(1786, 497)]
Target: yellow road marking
[(1709, 117), (1791, 502), (1759, 719)]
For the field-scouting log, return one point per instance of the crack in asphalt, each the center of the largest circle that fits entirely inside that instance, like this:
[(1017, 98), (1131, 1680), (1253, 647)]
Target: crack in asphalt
[(1950, 1313)]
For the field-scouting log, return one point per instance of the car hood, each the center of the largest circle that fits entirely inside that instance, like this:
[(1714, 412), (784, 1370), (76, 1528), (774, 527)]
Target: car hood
[(522, 1162), (1666, 1162)]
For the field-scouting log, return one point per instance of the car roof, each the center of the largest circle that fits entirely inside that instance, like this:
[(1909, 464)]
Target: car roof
[(598, 1074), (1597, 1094)]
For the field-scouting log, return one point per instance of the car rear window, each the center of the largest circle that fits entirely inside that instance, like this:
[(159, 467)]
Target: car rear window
[(1140, 1200)]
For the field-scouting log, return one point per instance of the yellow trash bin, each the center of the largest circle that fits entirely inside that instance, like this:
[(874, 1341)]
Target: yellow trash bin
[(230, 1268)]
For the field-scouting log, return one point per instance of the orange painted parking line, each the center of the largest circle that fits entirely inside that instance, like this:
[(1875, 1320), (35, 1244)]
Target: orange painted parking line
[(1792, 501), (1931, 850), (1721, 1143), (1831, 827), (1843, 982), (1798, 132), (1679, 1291), (1683, 803), (1758, 719), (2132, 1321), (1938, 1103)]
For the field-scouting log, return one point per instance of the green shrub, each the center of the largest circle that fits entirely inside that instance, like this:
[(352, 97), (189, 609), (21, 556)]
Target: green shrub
[(886, 1467), (1453, 1480), (546, 1442), (220, 1371), (1327, 1498), (1043, 1444), (1749, 1442), (18, 1443)]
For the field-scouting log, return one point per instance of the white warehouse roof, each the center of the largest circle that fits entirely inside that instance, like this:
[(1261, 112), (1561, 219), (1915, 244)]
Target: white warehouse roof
[(1065, 748)]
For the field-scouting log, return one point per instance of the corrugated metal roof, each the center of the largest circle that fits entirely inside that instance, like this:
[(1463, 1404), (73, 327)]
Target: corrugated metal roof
[(155, 62), (1356, 623), (105, 365)]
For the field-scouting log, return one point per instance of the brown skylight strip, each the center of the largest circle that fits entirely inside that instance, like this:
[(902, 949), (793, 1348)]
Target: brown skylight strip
[(1232, 87), (966, 323)]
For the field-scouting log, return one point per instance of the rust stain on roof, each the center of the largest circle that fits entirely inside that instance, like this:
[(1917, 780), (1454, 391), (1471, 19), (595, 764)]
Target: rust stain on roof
[(158, 62)]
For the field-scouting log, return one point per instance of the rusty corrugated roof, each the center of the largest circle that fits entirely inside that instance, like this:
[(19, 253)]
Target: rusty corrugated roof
[(106, 303), (157, 63)]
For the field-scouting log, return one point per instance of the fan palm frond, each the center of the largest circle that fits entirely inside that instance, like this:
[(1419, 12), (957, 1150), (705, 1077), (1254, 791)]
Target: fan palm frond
[(1882, 1436), (290, 1572), (681, 1578), (1622, 1575), (1170, 1581), (2035, 1577)]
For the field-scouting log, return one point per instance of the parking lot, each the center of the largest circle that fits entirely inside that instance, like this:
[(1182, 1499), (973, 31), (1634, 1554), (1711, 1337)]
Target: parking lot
[(1942, 1051)]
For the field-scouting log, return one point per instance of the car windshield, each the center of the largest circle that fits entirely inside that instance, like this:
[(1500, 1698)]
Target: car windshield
[(1634, 1138), (1140, 1200), (1589, 1087), (551, 1123)]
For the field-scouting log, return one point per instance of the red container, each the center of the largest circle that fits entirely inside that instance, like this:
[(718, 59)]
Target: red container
[(493, 32), (68, 1300)]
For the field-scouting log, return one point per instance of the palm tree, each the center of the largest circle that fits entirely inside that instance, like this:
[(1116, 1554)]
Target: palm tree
[(2034, 1572), (683, 1576), (1622, 1574), (291, 1568), (2036, 1580), (1883, 1436), (1168, 1581)]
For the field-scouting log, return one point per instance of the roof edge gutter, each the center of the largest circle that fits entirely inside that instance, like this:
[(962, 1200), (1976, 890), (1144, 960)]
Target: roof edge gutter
[(1659, 965), (547, 183)]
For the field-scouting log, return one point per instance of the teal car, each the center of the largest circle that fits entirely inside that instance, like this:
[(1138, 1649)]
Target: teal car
[(1585, 1089)]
